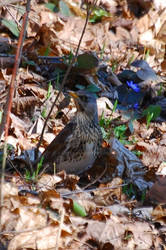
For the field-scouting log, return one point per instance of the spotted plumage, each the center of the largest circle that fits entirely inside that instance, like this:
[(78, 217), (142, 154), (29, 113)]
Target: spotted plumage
[(77, 146)]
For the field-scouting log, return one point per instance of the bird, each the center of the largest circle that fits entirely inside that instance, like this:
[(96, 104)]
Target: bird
[(78, 144)]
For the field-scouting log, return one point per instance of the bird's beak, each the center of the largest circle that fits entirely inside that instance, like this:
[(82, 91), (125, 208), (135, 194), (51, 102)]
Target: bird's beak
[(76, 99), (73, 94)]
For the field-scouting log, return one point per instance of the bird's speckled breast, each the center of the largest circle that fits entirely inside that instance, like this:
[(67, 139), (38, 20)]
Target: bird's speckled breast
[(83, 145)]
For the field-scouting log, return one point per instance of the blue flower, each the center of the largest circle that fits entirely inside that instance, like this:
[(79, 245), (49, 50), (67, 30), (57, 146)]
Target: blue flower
[(133, 86), (136, 106)]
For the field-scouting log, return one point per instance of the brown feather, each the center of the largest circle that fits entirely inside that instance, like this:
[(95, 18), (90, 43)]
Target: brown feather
[(76, 147)]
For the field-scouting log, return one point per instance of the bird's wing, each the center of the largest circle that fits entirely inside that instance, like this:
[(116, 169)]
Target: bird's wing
[(59, 144)]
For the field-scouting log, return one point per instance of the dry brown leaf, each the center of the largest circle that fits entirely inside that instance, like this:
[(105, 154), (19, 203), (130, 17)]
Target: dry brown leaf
[(9, 220), (25, 104), (9, 189), (31, 218), (42, 239), (156, 194), (106, 196), (19, 126), (159, 213), (114, 232), (48, 182), (106, 231), (153, 154), (35, 89)]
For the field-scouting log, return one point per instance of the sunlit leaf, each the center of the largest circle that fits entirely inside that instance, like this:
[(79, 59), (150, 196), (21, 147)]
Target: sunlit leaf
[(49, 90), (12, 26), (51, 6), (64, 9), (78, 209), (97, 15)]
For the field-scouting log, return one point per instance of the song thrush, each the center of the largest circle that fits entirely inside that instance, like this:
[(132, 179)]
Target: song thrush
[(77, 146)]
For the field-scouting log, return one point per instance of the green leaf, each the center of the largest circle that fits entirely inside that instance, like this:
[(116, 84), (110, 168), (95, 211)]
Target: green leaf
[(39, 165), (119, 132), (137, 152), (114, 66), (93, 88), (97, 15), (149, 118), (115, 106), (102, 119), (104, 133), (64, 9), (87, 61), (78, 209), (27, 175), (49, 90), (153, 111), (1, 116), (43, 113), (47, 51), (159, 92), (12, 26), (51, 6), (147, 54), (68, 59)]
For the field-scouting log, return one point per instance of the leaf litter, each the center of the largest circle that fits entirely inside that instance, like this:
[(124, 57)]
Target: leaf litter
[(39, 214)]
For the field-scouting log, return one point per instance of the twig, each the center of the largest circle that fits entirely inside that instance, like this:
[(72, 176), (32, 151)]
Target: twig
[(7, 109), (13, 167), (62, 214), (15, 20), (64, 81), (8, 106), (91, 190), (97, 179)]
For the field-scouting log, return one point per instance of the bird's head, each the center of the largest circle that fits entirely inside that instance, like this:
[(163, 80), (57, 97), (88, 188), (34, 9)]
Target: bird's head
[(86, 103)]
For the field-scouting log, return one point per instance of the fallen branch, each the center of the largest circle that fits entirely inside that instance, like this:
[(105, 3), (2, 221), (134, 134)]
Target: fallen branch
[(7, 110)]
